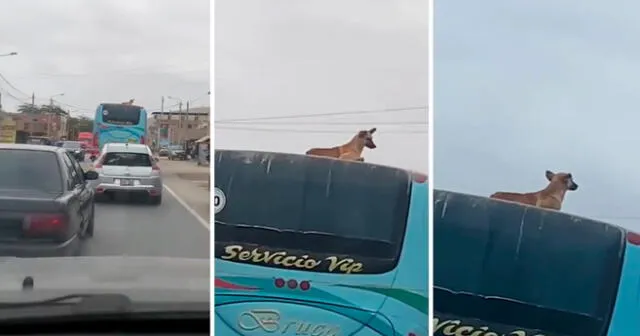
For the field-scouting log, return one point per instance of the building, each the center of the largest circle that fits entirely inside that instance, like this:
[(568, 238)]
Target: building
[(48, 125), (175, 127)]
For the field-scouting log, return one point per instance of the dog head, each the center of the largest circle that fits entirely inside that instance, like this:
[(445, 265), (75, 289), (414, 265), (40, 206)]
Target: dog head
[(367, 138), (563, 178)]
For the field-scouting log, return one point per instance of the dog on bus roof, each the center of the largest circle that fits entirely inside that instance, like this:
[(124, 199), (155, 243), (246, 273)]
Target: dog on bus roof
[(351, 150), (550, 197)]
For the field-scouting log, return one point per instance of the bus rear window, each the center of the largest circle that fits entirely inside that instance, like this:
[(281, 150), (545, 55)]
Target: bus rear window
[(120, 114), (522, 266), (316, 214)]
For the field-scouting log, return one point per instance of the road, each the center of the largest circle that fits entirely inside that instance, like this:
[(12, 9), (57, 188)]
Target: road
[(168, 230)]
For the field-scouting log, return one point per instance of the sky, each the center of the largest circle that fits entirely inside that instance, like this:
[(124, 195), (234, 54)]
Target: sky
[(524, 87), (296, 58), (105, 51)]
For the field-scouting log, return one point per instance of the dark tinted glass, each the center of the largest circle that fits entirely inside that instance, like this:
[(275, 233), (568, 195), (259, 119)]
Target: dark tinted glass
[(312, 205), (30, 170), (120, 114), (556, 266), (127, 159)]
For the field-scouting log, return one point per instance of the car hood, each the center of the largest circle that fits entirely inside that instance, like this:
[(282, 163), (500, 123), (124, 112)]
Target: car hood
[(105, 273)]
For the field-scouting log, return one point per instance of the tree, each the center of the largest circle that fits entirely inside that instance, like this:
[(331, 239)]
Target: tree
[(41, 109), (28, 108), (77, 125)]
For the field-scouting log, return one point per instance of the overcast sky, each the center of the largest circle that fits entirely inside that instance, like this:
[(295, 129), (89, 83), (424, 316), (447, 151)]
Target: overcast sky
[(105, 51), (287, 57), (522, 87)]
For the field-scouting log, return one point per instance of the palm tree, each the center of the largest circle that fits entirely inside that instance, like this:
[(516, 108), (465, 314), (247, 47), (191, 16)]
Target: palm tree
[(29, 108)]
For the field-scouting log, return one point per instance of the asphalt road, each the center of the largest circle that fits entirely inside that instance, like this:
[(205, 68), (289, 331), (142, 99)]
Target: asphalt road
[(125, 227), (139, 229)]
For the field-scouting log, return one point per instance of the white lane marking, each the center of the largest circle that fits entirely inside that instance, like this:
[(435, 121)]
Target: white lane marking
[(190, 209)]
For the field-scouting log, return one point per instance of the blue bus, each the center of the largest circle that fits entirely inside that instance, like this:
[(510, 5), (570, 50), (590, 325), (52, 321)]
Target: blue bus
[(502, 268), (121, 123), (317, 246)]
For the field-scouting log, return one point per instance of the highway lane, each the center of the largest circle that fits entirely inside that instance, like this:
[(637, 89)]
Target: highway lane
[(138, 229)]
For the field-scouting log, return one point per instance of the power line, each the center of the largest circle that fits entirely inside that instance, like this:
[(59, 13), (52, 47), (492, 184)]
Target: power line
[(4, 79), (284, 130), (120, 72), (343, 113)]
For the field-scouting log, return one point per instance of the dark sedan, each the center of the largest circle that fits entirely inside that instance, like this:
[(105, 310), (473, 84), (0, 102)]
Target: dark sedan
[(75, 148), (46, 206)]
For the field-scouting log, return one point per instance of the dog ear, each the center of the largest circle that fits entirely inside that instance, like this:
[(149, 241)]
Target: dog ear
[(373, 130), (549, 174)]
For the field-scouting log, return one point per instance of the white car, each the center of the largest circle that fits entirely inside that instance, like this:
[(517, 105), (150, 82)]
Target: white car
[(128, 168)]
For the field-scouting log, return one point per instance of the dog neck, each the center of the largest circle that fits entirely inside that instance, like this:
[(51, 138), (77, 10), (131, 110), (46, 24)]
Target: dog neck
[(355, 145), (555, 190)]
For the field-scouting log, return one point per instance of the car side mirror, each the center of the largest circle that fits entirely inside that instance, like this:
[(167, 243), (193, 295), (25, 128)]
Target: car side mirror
[(91, 175)]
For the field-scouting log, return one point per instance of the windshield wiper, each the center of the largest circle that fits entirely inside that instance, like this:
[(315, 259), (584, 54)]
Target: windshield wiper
[(86, 303)]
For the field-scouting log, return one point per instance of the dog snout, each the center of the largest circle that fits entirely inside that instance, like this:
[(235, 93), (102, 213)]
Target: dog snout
[(574, 186)]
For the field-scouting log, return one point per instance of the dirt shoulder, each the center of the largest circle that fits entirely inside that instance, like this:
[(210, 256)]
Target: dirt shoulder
[(190, 182)]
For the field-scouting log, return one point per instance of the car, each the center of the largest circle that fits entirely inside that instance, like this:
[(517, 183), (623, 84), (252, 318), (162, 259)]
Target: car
[(177, 153), (127, 168), (75, 148), (46, 204), (163, 152)]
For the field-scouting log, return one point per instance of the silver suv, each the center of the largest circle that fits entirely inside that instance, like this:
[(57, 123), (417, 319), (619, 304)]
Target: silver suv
[(128, 168)]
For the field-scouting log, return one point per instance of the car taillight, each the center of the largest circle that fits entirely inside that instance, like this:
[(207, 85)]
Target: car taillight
[(42, 224), (155, 167), (142, 140)]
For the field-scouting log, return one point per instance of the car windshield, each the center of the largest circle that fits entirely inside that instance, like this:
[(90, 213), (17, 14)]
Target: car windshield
[(72, 145), (29, 170), (127, 159)]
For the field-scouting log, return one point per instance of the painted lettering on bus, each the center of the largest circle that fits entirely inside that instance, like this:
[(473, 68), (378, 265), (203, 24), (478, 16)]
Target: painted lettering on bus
[(457, 328), (269, 321), (282, 258)]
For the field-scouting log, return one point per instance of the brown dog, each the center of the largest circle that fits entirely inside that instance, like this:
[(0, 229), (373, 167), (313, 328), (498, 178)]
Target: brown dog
[(550, 197), (352, 150)]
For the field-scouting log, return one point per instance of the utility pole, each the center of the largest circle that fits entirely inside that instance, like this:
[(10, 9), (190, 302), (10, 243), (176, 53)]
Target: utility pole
[(162, 104), (33, 99), (0, 101), (180, 122)]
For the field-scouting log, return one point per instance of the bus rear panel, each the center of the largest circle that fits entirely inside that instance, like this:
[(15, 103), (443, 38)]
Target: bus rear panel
[(521, 270), (321, 241)]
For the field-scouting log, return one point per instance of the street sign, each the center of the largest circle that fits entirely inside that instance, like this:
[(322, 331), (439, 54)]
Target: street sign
[(7, 131)]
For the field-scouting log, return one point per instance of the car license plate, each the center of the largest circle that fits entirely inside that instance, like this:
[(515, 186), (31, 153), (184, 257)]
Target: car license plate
[(126, 182)]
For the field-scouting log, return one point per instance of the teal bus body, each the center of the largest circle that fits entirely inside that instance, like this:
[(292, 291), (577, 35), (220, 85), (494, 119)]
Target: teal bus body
[(119, 123), (509, 269), (382, 300)]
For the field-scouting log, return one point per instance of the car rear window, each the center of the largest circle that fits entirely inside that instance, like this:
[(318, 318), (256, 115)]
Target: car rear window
[(308, 208), (127, 159), (523, 266), (30, 170)]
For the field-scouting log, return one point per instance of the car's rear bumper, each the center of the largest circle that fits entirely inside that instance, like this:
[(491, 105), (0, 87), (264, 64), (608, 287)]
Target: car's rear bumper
[(36, 250), (154, 188)]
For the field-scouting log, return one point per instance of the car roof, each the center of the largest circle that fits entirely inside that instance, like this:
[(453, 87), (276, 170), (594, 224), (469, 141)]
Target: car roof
[(41, 148), (126, 148)]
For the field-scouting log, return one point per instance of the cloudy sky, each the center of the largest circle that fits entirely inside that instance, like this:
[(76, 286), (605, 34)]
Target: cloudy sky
[(522, 87), (296, 58), (104, 51)]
